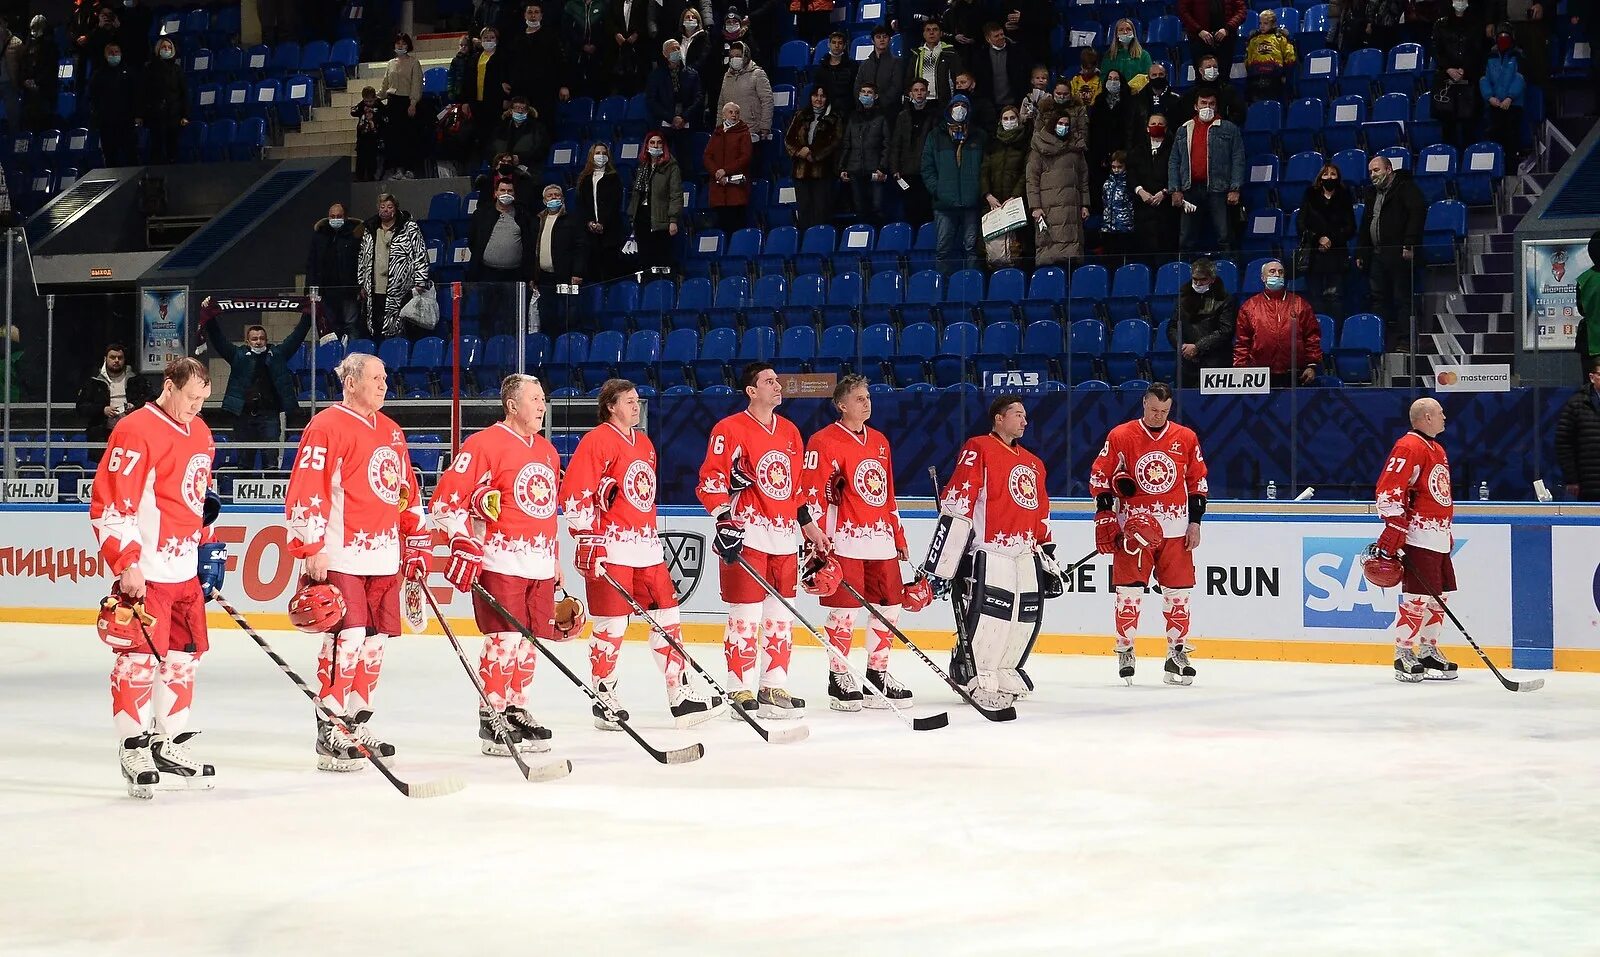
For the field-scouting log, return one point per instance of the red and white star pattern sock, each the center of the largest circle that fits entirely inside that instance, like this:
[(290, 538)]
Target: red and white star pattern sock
[(604, 645), (497, 667), (777, 641), (1408, 623), (132, 686), (667, 657), (1128, 601), (174, 693), (880, 638), (1432, 624), (526, 659), (739, 645), (840, 631), (1175, 609), (336, 667), (364, 681)]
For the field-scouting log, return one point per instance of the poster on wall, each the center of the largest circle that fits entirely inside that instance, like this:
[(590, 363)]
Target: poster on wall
[(163, 326), (1550, 271)]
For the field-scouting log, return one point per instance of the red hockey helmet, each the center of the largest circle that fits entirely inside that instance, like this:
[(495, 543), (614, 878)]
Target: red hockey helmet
[(123, 623), (821, 575), (1385, 571), (917, 594), (317, 607), (570, 616), (1141, 533)]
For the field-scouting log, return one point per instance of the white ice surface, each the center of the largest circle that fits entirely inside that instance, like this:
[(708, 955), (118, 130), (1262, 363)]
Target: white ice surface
[(1270, 809)]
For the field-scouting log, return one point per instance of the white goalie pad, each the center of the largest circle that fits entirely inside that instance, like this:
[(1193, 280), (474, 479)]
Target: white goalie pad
[(1004, 613), (949, 545)]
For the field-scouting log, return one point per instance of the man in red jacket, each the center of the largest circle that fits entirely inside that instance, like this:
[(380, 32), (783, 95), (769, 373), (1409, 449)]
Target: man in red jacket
[(1277, 329), (1212, 26)]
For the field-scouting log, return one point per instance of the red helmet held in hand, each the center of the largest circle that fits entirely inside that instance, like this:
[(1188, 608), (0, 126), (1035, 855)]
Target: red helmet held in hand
[(570, 616), (1385, 571), (821, 575), (1141, 533), (316, 608)]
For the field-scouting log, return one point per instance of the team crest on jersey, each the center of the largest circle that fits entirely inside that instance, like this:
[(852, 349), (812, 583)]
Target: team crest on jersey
[(872, 482), (383, 474), (1439, 484), (774, 475), (196, 479), (639, 485), (685, 553), (1024, 485), (535, 490), (1155, 472)]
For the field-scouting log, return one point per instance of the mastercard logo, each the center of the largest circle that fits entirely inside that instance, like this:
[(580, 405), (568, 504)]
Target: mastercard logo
[(1448, 378)]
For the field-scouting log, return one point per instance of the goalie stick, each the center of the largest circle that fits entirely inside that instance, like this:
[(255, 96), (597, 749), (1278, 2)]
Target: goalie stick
[(782, 736), (424, 789), (550, 770), (930, 723), (1531, 684), (694, 752)]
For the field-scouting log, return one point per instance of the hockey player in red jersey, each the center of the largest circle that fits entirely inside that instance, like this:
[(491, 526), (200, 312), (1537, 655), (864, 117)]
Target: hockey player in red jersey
[(147, 510), (1415, 503), (991, 550), (848, 480), (609, 496), (497, 502), (355, 516), (1154, 468), (748, 484)]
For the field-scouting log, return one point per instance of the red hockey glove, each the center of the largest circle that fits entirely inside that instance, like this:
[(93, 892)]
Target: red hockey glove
[(415, 550), (484, 503), (590, 556), (834, 492), (917, 595), (466, 561), (1106, 533), (1123, 484), (1392, 539), (605, 494)]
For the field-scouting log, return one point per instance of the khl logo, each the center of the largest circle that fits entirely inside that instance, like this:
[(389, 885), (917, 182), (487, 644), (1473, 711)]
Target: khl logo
[(1337, 595)]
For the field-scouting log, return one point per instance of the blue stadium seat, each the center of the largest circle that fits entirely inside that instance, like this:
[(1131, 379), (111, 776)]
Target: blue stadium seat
[(876, 350), (1352, 165), (894, 242), (1007, 289), (1170, 279), (1360, 343), (919, 343), (844, 298), (924, 291), (1130, 288), (678, 353), (705, 249), (816, 249), (1091, 287), (807, 295), (641, 356), (744, 248), (426, 365), (396, 355), (1262, 121), (1261, 177), (1299, 174), (1391, 114), (855, 248), (756, 345), (1001, 342), (1261, 230), (959, 341), (1435, 170), (1481, 165), (1361, 69), (796, 350), (728, 302), (716, 358), (1301, 125), (1445, 225), (837, 352), (1403, 69), (767, 299), (694, 298), (1091, 385), (885, 293), (1163, 355), (1047, 290), (1042, 346), (1346, 114), (779, 250), (1086, 346)]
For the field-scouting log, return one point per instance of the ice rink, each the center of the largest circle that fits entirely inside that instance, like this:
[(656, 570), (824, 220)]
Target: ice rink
[(1270, 809)]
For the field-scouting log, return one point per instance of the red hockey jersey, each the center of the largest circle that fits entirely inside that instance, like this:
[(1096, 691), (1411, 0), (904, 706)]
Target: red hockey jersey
[(345, 492), (865, 522), (527, 471), (1414, 492), (149, 494), (607, 456), (771, 458), (1167, 466), (1001, 489)]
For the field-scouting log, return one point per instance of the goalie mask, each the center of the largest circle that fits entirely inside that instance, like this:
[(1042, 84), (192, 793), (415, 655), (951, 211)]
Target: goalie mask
[(570, 616), (1384, 571), (317, 608)]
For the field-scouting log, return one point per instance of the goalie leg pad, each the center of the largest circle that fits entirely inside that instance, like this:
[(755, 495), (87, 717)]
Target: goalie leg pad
[(840, 629), (1175, 609), (1025, 629), (739, 645), (1004, 588), (949, 546), (174, 691)]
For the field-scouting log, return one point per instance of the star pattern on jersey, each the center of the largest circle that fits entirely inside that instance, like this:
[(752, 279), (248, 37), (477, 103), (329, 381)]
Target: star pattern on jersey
[(849, 533), (580, 512), (958, 499), (752, 519)]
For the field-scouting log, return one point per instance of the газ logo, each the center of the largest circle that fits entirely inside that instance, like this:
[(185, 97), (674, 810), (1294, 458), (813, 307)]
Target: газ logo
[(1337, 595)]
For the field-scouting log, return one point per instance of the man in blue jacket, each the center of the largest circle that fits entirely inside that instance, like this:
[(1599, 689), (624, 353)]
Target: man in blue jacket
[(951, 161), (1206, 172), (260, 386)]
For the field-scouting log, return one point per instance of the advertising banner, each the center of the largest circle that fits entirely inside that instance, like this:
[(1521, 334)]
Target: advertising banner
[(163, 326), (1550, 271), (1575, 574)]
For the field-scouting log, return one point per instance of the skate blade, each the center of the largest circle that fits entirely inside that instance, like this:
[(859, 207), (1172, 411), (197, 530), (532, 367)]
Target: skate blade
[(847, 706), (699, 717), (1178, 680), (143, 792), (780, 714), (494, 749), (1407, 679), (533, 746), (184, 782), (327, 762), (1440, 675), (1128, 679)]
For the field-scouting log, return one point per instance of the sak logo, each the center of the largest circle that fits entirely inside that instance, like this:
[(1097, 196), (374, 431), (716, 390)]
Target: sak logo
[(1337, 595)]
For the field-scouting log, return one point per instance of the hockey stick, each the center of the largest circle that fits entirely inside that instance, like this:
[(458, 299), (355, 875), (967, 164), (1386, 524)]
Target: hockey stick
[(963, 645), (930, 723), (783, 736), (425, 789), (548, 771), (680, 756), (1532, 684), (1007, 713)]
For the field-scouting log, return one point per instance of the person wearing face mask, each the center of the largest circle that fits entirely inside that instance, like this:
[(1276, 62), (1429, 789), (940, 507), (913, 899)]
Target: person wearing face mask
[(1327, 224), (1062, 103), (906, 145), (1211, 26), (505, 167), (983, 114), (1001, 179), (260, 386), (1000, 69), (1206, 172), (331, 268), (520, 133), (952, 163), (702, 53), (541, 68), (727, 159), (392, 268), (1058, 191), (1503, 88), (112, 103), (164, 107), (599, 203), (1202, 324), (864, 163), (673, 99), (560, 251), (488, 84), (1209, 77), (1126, 56), (40, 71), (837, 74), (1529, 22), (1269, 57), (1458, 53), (747, 85), (1391, 229), (812, 141), (1277, 329), (1155, 221), (1108, 124), (884, 71), (656, 203), (1156, 97), (92, 48), (503, 236), (400, 90), (934, 62)]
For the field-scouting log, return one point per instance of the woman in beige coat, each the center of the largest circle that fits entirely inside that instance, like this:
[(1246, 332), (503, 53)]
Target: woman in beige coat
[(1058, 191)]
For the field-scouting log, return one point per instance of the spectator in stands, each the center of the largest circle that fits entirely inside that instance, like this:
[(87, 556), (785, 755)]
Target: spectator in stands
[(400, 90), (40, 65), (1116, 209), (813, 141), (656, 204), (460, 81), (488, 84), (506, 168), (520, 134), (1108, 125), (1458, 66), (1029, 23), (864, 162), (1588, 334), (1384, 23), (540, 69), (1390, 231), (393, 267), (1126, 56), (600, 204), (371, 122), (1058, 192), (1086, 85), (136, 20), (727, 160), (10, 70), (92, 48), (1578, 438), (747, 85), (1155, 221), (983, 115), (1002, 178), (1211, 26), (1230, 105), (1327, 224), (1063, 103), (1503, 89), (811, 18), (112, 104), (560, 244), (165, 103), (331, 269), (673, 99), (1000, 69), (632, 37), (110, 394), (837, 74), (1347, 25), (906, 145), (1529, 21), (719, 52), (260, 386), (1156, 97), (952, 162), (1038, 92), (1205, 174), (702, 53), (1277, 329), (911, 18), (962, 25), (1202, 324), (884, 71), (1269, 58), (501, 237), (935, 62)]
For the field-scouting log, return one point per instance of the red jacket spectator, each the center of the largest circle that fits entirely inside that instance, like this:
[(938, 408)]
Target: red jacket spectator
[(729, 150), (1278, 330), (1196, 15)]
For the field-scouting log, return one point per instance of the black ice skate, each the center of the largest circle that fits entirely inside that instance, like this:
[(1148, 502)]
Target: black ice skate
[(494, 731), (741, 700), (370, 741), (1435, 666), (1406, 666), (535, 737), (336, 749), (1125, 661), (606, 691), (1177, 670), (180, 769), (888, 690), (778, 703), (138, 767), (843, 695), (689, 709)]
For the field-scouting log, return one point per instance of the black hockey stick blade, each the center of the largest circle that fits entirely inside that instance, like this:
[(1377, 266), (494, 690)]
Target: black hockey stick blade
[(933, 722)]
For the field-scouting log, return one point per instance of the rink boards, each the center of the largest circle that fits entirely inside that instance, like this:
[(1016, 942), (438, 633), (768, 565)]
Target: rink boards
[(1281, 586)]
